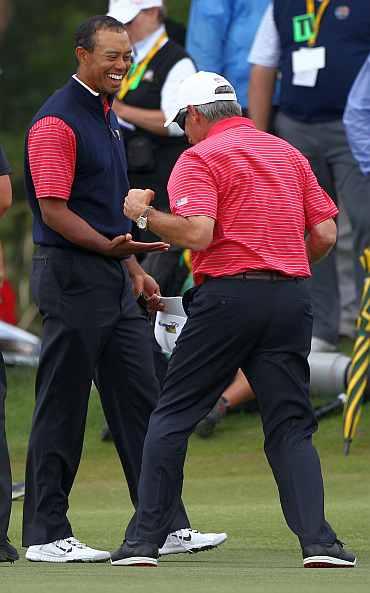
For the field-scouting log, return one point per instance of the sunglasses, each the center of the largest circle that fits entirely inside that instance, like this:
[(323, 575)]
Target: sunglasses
[(181, 117)]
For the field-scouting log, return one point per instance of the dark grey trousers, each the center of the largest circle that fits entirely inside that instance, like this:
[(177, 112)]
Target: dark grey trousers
[(326, 147)]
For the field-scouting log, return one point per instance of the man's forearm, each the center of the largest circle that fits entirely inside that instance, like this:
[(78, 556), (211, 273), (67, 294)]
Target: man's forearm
[(73, 228), (175, 230), (260, 93), (316, 251), (193, 232), (5, 194), (133, 266), (149, 119), (319, 242)]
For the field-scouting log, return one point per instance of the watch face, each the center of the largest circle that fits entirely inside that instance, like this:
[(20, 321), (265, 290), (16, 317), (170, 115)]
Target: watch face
[(141, 222)]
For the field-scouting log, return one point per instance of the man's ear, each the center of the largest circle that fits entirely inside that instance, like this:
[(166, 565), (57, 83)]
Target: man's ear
[(154, 12), (194, 113), (82, 54)]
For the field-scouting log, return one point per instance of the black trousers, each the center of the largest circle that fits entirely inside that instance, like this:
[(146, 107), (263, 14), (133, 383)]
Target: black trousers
[(263, 327), (92, 330), (5, 473)]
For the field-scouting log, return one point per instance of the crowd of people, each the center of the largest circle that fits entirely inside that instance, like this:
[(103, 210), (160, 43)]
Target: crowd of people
[(235, 151)]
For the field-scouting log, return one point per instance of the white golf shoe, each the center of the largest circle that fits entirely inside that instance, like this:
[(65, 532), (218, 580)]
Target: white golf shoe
[(191, 541), (66, 550)]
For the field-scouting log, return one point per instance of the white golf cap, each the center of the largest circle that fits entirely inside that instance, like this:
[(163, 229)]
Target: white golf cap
[(126, 10), (201, 88)]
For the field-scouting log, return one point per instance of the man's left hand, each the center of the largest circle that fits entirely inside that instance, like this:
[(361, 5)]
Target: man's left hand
[(136, 201), (145, 285)]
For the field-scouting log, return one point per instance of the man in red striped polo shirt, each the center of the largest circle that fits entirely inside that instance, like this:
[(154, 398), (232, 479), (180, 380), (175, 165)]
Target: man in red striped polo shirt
[(251, 210)]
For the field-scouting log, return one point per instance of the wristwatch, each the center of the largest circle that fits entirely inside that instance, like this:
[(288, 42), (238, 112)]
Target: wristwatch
[(142, 221)]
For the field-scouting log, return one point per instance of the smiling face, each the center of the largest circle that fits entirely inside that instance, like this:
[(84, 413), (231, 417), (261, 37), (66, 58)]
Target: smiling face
[(104, 67)]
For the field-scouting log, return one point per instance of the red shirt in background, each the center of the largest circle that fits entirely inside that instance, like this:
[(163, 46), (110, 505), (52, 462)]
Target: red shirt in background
[(8, 303)]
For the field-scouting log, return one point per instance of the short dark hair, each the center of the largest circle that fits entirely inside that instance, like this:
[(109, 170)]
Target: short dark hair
[(85, 34)]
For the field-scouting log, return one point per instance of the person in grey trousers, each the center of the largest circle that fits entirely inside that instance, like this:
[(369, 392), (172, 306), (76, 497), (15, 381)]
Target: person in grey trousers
[(315, 83)]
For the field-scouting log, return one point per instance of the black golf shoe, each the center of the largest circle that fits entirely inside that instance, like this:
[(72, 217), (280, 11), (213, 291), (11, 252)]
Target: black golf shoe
[(8, 553), (140, 554), (328, 556)]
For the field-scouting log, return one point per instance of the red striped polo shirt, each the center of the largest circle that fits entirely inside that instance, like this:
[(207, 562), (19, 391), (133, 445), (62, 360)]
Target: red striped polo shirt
[(52, 156), (260, 191)]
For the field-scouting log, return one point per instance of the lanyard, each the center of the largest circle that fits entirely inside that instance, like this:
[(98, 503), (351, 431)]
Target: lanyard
[(317, 18), (137, 71)]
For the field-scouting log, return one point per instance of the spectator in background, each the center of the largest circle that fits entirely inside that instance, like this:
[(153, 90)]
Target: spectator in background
[(147, 96), (7, 552), (314, 89), (220, 35), (357, 118), (142, 105)]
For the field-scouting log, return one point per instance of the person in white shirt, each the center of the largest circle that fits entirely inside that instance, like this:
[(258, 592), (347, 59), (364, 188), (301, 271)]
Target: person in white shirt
[(148, 96)]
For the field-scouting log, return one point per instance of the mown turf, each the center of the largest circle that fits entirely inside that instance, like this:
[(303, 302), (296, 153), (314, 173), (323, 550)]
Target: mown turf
[(228, 487)]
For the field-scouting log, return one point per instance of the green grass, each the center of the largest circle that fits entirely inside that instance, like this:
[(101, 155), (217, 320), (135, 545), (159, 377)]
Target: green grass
[(228, 486)]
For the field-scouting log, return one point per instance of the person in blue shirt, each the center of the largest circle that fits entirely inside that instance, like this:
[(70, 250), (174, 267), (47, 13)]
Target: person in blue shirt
[(357, 118), (220, 35)]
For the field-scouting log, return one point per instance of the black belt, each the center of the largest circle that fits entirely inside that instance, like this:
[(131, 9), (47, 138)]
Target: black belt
[(254, 275)]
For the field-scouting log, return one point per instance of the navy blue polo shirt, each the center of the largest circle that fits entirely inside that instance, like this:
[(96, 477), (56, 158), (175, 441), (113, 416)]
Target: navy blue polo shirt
[(100, 181), (345, 33)]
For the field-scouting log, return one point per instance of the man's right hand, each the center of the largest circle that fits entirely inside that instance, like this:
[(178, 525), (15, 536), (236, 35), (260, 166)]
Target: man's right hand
[(123, 246)]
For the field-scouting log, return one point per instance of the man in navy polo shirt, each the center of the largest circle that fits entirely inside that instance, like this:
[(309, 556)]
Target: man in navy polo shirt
[(319, 47), (82, 279)]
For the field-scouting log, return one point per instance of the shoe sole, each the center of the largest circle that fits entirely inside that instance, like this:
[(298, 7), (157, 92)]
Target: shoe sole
[(46, 558), (194, 550), (327, 562), (136, 561)]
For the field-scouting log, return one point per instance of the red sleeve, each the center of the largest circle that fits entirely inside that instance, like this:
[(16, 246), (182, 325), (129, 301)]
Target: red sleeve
[(192, 189), (52, 157)]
